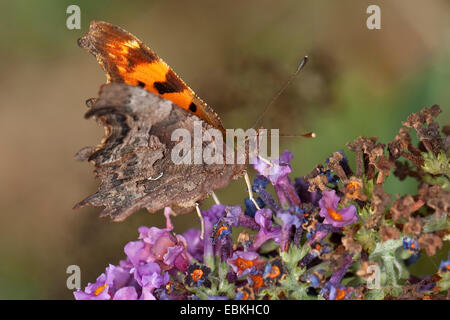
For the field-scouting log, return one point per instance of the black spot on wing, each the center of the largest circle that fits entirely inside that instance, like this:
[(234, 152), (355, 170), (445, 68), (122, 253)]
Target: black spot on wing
[(172, 84), (193, 107)]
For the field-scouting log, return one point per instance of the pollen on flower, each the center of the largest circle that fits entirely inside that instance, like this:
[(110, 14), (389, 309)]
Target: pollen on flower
[(197, 274), (340, 294), (221, 229), (100, 289), (334, 215), (258, 281), (274, 272), (243, 264), (351, 189)]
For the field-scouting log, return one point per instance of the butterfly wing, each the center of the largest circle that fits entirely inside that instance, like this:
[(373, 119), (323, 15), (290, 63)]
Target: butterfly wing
[(134, 159), (125, 59)]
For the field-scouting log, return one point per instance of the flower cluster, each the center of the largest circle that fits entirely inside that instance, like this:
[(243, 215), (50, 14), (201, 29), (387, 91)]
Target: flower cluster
[(332, 234)]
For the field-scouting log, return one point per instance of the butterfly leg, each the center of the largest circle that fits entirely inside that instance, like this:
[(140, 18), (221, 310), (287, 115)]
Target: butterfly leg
[(202, 222), (216, 200), (249, 188)]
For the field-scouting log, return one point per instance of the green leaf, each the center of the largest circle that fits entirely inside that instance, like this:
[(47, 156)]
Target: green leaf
[(268, 246), (442, 181), (436, 165), (368, 238), (368, 188), (393, 269), (434, 223), (444, 283), (438, 168), (292, 257), (375, 294)]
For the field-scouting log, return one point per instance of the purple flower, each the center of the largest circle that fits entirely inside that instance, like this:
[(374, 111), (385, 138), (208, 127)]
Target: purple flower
[(277, 172), (210, 218), (94, 291), (301, 186), (244, 262), (137, 252), (235, 218), (410, 244), (328, 210), (117, 277), (289, 220), (444, 265), (126, 293), (149, 277), (159, 245), (314, 279), (217, 240), (333, 290), (197, 276), (194, 243), (106, 285), (221, 239), (263, 218)]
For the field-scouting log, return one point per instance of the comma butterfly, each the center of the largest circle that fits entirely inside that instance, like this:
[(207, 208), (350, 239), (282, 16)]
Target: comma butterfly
[(140, 106)]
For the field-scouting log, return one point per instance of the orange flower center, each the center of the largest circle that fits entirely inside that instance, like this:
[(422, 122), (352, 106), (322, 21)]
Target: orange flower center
[(197, 274), (352, 188), (274, 272), (257, 281), (340, 294), (219, 231), (99, 289), (334, 215), (243, 264)]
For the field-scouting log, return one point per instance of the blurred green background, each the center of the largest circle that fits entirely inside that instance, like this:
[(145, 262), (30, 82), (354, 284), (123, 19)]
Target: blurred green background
[(235, 55)]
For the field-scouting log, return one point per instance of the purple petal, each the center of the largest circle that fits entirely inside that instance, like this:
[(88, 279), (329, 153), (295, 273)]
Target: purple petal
[(137, 251), (117, 277), (329, 200), (145, 270), (263, 217), (194, 243), (126, 293), (328, 205)]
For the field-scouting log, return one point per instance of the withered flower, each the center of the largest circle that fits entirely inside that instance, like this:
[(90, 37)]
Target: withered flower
[(404, 206), (349, 242), (429, 135), (430, 243), (413, 226), (353, 189), (436, 198), (388, 232)]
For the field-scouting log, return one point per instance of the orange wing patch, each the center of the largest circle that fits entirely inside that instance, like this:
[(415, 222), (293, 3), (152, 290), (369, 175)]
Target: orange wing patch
[(126, 59)]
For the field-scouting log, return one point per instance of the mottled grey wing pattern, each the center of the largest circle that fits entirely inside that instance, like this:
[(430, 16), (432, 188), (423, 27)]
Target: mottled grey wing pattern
[(134, 161)]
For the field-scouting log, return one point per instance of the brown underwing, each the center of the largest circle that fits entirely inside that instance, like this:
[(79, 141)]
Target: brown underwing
[(134, 160)]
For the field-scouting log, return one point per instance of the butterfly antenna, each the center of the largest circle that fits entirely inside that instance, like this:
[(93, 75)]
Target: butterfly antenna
[(305, 135), (279, 92)]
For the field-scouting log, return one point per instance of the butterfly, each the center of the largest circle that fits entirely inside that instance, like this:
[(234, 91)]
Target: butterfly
[(142, 103)]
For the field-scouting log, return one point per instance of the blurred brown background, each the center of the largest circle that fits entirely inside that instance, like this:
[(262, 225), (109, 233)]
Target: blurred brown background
[(235, 55)]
